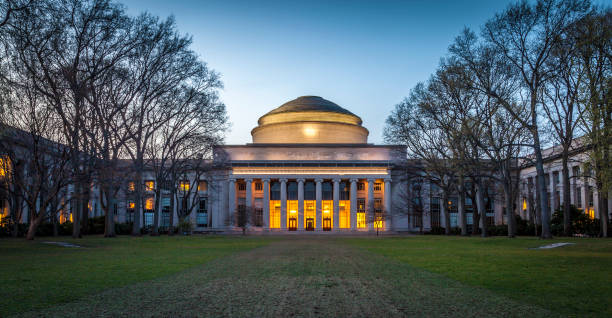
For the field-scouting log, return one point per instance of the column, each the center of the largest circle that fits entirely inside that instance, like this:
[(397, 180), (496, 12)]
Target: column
[(231, 207), (283, 194), (553, 192), (353, 204), (319, 210), (266, 203), (300, 204), (336, 197), (585, 194), (387, 202), (370, 206), (249, 195)]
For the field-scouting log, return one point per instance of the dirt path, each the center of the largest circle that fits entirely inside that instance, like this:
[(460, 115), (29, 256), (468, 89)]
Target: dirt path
[(298, 277)]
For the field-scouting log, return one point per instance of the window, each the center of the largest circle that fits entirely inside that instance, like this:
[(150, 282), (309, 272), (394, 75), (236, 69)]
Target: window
[(434, 208), (131, 186), (590, 196), (360, 205), (184, 186), (258, 186), (579, 196), (202, 186), (130, 208), (5, 166), (149, 185), (258, 206), (377, 187), (576, 171), (202, 215), (165, 212), (378, 205), (148, 212), (360, 186), (241, 186)]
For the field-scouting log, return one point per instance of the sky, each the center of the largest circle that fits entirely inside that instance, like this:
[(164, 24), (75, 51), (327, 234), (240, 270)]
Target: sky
[(362, 55)]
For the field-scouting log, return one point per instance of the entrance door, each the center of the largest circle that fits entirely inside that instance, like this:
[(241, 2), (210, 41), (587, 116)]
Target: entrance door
[(310, 224), (327, 224), (292, 224)]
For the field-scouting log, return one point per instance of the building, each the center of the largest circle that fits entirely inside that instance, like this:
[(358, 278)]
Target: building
[(310, 168)]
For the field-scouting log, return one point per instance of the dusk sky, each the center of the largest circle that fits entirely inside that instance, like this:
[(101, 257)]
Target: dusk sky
[(363, 55)]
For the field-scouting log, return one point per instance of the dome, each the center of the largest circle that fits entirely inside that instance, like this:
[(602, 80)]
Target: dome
[(309, 119)]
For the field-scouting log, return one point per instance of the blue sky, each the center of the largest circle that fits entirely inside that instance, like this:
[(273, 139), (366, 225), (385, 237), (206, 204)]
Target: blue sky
[(363, 55)]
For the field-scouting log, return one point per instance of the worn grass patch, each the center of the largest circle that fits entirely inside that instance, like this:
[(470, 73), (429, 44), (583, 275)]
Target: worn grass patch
[(573, 280), (34, 275), (298, 277)]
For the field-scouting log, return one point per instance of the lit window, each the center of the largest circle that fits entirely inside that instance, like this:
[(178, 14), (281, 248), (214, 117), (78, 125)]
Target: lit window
[(524, 204), (377, 186), (5, 165), (184, 186), (131, 186), (202, 186), (361, 223), (149, 204), (149, 185)]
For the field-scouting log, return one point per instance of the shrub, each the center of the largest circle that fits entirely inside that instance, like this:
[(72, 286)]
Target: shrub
[(185, 226)]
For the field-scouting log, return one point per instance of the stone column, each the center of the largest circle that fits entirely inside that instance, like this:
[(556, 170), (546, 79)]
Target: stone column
[(553, 193), (300, 204), (387, 201), (353, 204), (336, 197), (585, 193), (266, 203), (249, 195), (370, 206), (283, 195), (231, 207), (319, 209)]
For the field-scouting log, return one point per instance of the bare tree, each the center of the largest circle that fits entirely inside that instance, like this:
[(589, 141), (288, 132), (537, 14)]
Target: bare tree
[(525, 35)]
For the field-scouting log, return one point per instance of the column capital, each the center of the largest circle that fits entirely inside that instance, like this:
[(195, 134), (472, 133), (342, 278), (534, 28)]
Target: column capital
[(354, 180), (318, 180), (232, 180), (283, 180), (336, 179), (248, 180), (371, 180), (265, 180), (302, 180), (387, 180)]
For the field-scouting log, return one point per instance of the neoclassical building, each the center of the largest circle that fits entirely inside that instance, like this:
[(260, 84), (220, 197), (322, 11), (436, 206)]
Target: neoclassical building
[(309, 168)]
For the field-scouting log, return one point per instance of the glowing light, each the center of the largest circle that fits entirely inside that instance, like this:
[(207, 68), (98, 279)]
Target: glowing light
[(131, 186), (131, 205), (361, 220), (5, 165), (149, 185), (590, 213), (149, 204), (184, 186), (524, 204), (310, 131), (310, 171), (293, 211)]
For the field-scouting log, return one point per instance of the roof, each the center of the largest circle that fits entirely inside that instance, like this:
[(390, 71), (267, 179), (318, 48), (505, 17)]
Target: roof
[(309, 104)]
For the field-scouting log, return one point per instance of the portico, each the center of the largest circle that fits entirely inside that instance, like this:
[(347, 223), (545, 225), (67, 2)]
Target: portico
[(306, 203), (309, 169)]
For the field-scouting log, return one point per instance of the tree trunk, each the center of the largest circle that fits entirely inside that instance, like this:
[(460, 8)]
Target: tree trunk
[(462, 218), (481, 207), (545, 212), (566, 193), (109, 218), (603, 213), (138, 199), (34, 222), (509, 209), (444, 211), (156, 209), (85, 209), (76, 205), (171, 226)]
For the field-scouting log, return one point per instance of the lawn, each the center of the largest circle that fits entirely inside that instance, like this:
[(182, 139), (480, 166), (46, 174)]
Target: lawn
[(573, 280), (305, 276), (34, 275)]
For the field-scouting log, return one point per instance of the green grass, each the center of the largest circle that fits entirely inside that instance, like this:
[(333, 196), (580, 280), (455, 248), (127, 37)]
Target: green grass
[(34, 275), (572, 280)]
